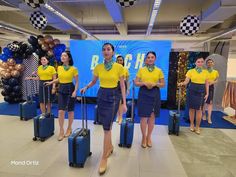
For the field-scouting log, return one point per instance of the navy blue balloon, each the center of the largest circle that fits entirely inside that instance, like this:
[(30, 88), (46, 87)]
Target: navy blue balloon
[(7, 52), (13, 81), (16, 88)]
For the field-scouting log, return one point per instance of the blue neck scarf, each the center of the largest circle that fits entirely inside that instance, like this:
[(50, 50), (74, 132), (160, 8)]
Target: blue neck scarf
[(210, 69), (150, 67), (199, 70), (108, 64), (45, 67), (66, 67)]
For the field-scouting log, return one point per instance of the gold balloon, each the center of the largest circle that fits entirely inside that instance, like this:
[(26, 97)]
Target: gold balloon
[(19, 67), (11, 67), (7, 75), (4, 65), (1, 63), (15, 73), (2, 73), (45, 47), (8, 70), (40, 41), (56, 41), (48, 39), (11, 62)]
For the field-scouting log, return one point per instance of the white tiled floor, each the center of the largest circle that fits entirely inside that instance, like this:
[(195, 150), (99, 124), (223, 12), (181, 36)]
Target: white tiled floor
[(162, 160), (16, 144)]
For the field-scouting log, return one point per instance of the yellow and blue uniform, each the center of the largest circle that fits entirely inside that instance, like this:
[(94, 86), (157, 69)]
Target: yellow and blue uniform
[(109, 79), (197, 78), (212, 76), (151, 77), (149, 99), (197, 88), (44, 76), (66, 76), (108, 96), (66, 88)]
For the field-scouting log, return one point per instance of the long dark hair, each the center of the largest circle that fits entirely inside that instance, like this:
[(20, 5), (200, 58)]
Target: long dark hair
[(122, 59), (71, 62)]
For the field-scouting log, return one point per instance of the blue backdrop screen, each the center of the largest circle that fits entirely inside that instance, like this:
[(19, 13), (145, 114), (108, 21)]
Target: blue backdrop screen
[(87, 54)]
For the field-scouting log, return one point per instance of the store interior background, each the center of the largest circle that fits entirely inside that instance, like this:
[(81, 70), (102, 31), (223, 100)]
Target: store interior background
[(106, 20)]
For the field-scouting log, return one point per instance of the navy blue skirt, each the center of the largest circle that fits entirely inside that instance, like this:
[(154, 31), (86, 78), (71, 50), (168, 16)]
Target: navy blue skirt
[(45, 90), (211, 94), (108, 100), (196, 96), (149, 101), (65, 101)]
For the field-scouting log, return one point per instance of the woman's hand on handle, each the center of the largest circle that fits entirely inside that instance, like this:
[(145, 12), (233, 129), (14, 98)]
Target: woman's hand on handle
[(206, 97), (73, 94), (83, 90), (48, 83)]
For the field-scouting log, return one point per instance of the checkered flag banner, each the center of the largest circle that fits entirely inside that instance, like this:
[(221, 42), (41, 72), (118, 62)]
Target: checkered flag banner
[(126, 3), (38, 20), (189, 25), (31, 65), (13, 47), (35, 3)]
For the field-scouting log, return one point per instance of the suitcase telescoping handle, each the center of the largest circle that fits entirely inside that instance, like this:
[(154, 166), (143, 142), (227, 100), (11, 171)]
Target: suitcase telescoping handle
[(84, 112), (132, 103), (44, 95), (179, 101)]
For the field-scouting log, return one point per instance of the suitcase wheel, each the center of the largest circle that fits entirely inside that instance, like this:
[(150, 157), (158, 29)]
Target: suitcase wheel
[(169, 133), (177, 134), (52, 134), (90, 153), (34, 139), (42, 139), (120, 145), (81, 165), (71, 164)]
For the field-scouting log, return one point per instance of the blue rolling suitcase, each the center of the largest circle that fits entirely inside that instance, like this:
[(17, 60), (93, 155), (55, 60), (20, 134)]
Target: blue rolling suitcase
[(44, 123), (79, 141), (174, 119), (28, 109), (127, 128)]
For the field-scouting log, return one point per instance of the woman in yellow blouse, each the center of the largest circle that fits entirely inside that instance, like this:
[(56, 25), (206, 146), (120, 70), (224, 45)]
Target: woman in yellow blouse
[(108, 97), (121, 61), (198, 92), (150, 79), (44, 74), (213, 77), (67, 92)]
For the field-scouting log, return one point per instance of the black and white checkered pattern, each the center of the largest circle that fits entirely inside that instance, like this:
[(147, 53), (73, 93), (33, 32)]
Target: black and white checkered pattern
[(31, 65), (189, 25), (126, 3), (13, 47), (35, 3), (38, 20)]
